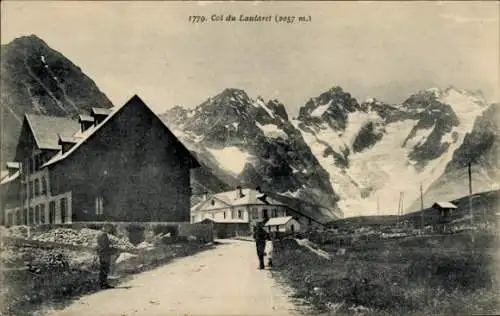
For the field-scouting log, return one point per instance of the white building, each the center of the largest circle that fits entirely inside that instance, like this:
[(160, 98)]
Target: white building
[(249, 206)]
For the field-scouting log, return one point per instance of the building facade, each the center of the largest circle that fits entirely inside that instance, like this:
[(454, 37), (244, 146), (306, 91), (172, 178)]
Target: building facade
[(122, 164), (245, 207)]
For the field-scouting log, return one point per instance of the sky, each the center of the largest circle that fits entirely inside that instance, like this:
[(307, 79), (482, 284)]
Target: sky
[(385, 50)]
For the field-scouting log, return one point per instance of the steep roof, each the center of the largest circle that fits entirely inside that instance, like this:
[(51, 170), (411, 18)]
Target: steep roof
[(233, 198), (47, 129), (273, 221), (85, 118), (316, 213), (13, 165), (224, 221), (82, 137), (445, 205), (10, 178), (101, 111)]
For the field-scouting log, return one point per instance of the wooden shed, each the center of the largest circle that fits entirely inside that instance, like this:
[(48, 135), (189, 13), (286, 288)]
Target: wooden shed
[(285, 224), (445, 210)]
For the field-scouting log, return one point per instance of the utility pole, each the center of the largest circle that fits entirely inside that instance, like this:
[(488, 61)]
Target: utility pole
[(470, 207), (400, 207), (470, 196), (421, 208)]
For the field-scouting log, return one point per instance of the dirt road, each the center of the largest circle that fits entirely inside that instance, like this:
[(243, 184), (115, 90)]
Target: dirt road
[(223, 281)]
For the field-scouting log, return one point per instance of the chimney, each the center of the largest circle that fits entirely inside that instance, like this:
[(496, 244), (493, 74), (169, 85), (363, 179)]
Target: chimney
[(66, 143), (100, 114), (86, 122), (239, 192)]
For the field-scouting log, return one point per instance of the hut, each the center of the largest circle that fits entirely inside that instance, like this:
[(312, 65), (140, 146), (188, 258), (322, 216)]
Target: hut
[(445, 210)]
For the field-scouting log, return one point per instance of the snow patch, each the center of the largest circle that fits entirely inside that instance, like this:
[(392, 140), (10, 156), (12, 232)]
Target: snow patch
[(448, 137), (231, 158), (465, 105), (420, 137), (260, 103), (320, 110), (272, 131)]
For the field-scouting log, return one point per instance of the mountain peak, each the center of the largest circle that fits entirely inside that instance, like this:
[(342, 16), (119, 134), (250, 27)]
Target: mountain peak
[(27, 41)]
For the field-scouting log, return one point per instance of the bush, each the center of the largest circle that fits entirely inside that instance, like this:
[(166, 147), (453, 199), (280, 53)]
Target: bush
[(173, 230), (135, 233)]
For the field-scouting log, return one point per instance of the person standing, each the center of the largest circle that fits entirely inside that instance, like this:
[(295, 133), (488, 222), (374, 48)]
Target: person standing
[(104, 252), (260, 236)]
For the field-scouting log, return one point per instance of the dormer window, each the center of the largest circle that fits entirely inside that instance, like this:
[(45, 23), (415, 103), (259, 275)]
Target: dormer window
[(86, 122), (66, 143), (13, 167), (99, 115)]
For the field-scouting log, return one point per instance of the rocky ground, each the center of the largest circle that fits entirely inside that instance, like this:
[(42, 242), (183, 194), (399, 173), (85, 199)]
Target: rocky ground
[(58, 265)]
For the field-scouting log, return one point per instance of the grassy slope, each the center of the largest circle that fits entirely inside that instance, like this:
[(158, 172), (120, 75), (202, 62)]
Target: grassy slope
[(484, 205), (417, 275), (433, 274)]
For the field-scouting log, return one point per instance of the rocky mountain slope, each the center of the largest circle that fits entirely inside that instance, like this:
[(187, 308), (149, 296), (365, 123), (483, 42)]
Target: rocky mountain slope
[(37, 79), (248, 142), (373, 151), (368, 152), (480, 147)]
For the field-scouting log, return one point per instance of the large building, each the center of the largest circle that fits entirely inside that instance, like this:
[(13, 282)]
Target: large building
[(120, 164), (237, 211)]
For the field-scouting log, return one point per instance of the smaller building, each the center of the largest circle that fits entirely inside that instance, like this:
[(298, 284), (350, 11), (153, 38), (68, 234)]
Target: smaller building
[(237, 212), (285, 224), (445, 210)]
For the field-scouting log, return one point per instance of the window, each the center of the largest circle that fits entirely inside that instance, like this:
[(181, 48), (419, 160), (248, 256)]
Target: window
[(264, 214), (63, 209), (32, 189), (255, 213), (240, 214), (52, 212), (37, 187), (213, 202), (37, 215), (30, 216), (233, 214), (42, 214), (275, 213), (30, 165), (44, 185), (224, 215), (99, 205), (18, 217)]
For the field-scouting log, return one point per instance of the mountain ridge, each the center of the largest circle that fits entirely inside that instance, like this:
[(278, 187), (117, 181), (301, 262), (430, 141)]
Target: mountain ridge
[(38, 79)]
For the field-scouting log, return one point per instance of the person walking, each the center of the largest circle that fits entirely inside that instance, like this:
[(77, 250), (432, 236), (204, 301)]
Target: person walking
[(104, 252), (260, 236)]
